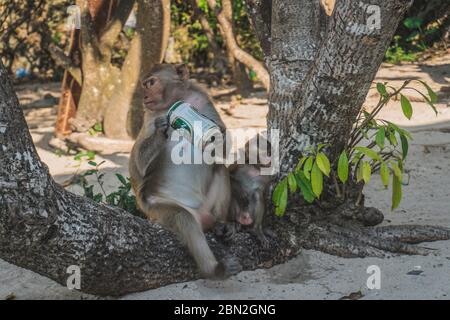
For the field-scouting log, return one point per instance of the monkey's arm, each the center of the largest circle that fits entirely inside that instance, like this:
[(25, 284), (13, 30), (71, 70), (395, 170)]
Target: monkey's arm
[(149, 148)]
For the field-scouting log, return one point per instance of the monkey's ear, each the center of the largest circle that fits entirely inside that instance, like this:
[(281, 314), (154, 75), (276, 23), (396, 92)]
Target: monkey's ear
[(182, 71)]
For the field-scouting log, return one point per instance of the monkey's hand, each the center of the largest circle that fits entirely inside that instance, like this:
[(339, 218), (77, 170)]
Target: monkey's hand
[(162, 125)]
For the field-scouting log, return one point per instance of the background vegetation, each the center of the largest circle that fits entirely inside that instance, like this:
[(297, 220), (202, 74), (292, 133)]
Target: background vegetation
[(28, 28)]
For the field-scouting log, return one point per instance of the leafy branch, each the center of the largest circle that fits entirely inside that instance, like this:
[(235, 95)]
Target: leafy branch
[(385, 153)]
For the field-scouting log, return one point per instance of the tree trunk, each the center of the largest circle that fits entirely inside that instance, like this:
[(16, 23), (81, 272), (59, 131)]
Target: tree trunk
[(318, 103), (110, 95), (316, 61), (124, 116), (99, 77)]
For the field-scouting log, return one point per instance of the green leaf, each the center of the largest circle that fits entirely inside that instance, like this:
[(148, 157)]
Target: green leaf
[(79, 155), (307, 167), (381, 88), (121, 178), (396, 169), (405, 146), (413, 22), (92, 163), (379, 138), (278, 190), (369, 152), (396, 192), (359, 173), (305, 187), (399, 130), (384, 173), (320, 146), (431, 93), (316, 180), (98, 127), (358, 155), (323, 163), (366, 171), (89, 172), (292, 182), (280, 197), (98, 197), (90, 155), (343, 167), (392, 138), (406, 106), (300, 163)]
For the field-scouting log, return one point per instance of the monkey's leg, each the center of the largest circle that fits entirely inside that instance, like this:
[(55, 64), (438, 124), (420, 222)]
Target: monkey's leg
[(220, 191), (187, 227)]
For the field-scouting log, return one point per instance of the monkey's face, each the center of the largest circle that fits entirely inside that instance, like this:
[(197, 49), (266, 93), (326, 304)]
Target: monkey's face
[(164, 85), (242, 207), (153, 92)]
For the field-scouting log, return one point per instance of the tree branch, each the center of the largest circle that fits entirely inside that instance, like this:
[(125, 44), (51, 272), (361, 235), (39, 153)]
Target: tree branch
[(89, 42), (112, 30), (242, 56), (206, 27), (65, 62)]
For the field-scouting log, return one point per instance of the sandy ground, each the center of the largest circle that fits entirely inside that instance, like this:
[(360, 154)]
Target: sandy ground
[(312, 274)]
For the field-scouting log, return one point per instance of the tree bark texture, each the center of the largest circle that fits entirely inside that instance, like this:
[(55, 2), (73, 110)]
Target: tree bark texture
[(314, 75)]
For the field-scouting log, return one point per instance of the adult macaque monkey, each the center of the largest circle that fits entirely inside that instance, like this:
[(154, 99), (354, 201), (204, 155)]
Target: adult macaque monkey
[(185, 198)]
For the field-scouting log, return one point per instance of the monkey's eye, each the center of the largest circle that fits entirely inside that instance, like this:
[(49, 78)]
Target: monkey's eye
[(149, 82)]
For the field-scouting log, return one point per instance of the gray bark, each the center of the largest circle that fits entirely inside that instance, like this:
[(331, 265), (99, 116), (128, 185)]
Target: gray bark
[(313, 98)]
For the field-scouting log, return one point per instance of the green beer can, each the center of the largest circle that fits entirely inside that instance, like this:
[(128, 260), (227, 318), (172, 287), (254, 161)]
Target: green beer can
[(183, 115)]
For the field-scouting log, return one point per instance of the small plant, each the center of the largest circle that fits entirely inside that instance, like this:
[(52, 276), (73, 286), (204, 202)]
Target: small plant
[(95, 129), (90, 155), (385, 153), (396, 54), (407, 48), (121, 198)]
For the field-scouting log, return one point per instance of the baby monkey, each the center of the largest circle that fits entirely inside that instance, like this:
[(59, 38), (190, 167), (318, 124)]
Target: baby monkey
[(248, 193)]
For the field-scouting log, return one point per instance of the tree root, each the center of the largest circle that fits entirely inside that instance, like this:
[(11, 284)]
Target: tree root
[(412, 233), (355, 241)]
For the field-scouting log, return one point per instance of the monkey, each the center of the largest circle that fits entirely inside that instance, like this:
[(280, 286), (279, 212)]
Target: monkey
[(188, 199), (248, 192)]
